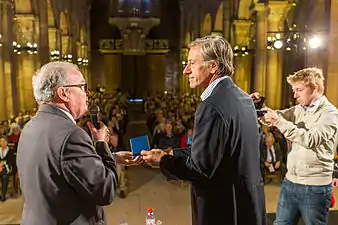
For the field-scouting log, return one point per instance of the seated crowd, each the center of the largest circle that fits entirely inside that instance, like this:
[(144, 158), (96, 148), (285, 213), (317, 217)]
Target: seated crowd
[(170, 119)]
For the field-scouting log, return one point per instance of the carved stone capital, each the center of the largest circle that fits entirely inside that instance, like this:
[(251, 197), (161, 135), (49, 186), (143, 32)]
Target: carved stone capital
[(278, 10), (242, 29), (134, 31)]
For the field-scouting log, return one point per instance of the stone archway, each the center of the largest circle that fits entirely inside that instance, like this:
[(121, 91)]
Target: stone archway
[(63, 23), (244, 9), (207, 25), (50, 13), (82, 35), (218, 27), (65, 39)]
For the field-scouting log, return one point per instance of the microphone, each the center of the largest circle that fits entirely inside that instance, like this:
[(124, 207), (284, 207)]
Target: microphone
[(94, 116)]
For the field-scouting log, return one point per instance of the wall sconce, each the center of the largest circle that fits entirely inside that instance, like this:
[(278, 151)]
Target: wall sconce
[(67, 58), (241, 50), (55, 55), (79, 61), (28, 48), (0, 40), (85, 62)]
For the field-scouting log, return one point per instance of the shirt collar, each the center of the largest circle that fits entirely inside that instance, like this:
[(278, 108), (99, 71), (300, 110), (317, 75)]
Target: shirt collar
[(3, 154), (207, 92), (68, 114), (313, 107)]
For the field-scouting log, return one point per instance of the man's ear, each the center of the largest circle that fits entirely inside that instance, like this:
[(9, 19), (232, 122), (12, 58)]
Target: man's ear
[(62, 94), (214, 65)]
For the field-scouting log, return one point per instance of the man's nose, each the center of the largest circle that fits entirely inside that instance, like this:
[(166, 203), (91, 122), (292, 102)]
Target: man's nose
[(187, 70)]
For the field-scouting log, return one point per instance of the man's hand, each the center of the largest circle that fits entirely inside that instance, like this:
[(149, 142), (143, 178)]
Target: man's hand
[(153, 157), (335, 182), (126, 158), (277, 165), (101, 134), (267, 164), (271, 116), (255, 96)]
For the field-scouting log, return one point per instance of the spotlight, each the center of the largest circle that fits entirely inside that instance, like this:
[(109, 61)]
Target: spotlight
[(278, 44), (315, 42)]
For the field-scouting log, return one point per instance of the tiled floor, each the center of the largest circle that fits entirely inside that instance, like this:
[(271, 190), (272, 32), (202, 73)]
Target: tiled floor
[(148, 188)]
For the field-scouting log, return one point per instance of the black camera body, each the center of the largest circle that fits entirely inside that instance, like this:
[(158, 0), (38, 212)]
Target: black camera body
[(259, 104)]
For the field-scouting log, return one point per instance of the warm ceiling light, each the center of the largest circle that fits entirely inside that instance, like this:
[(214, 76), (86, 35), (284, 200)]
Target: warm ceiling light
[(278, 44), (315, 42)]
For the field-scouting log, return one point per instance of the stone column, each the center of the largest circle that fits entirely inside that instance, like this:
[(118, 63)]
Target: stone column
[(183, 30), (66, 47), (54, 40), (8, 94), (260, 51), (27, 62), (277, 12), (156, 70), (243, 63), (80, 57), (227, 17), (85, 62), (332, 68), (43, 32), (112, 63)]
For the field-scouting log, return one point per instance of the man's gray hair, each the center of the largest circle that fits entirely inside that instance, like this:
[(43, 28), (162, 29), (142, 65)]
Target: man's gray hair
[(51, 76), (218, 49)]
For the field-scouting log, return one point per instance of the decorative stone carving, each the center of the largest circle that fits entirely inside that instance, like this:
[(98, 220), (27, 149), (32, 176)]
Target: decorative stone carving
[(134, 31)]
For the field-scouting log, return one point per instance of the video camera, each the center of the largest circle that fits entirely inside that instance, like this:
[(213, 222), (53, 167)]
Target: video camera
[(259, 104)]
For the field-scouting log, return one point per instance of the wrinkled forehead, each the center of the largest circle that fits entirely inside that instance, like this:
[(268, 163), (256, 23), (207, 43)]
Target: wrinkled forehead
[(195, 53)]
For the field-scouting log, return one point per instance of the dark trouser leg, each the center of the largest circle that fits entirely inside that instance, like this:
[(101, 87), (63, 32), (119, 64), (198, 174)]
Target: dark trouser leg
[(4, 182)]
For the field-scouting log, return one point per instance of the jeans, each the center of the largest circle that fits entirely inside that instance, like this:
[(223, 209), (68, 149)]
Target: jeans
[(312, 203)]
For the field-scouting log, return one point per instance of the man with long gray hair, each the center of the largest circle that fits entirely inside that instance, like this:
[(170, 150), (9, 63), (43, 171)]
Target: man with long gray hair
[(223, 161), (64, 178)]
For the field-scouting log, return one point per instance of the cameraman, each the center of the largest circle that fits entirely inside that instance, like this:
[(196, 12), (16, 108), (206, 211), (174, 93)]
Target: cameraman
[(311, 127)]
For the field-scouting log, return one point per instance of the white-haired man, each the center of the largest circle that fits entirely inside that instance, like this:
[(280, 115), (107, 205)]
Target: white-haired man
[(64, 178)]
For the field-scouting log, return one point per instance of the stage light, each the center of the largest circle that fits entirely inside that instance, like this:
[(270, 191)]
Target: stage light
[(278, 44), (315, 42)]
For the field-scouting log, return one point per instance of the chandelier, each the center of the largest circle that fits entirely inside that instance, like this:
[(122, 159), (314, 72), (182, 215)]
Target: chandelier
[(67, 58), (242, 50), (82, 62), (25, 48), (294, 40), (55, 55)]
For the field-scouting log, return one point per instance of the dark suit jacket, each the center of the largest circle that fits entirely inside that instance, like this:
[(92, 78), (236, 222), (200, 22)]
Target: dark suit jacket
[(264, 153), (8, 161), (223, 164), (64, 179)]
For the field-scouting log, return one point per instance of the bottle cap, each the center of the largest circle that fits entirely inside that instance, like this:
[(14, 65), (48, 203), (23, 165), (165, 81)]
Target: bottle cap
[(150, 210)]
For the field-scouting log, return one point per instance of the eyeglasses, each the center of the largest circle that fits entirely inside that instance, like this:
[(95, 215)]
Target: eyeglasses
[(83, 87)]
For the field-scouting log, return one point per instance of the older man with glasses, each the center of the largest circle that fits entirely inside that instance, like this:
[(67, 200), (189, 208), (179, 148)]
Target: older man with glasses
[(65, 179)]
